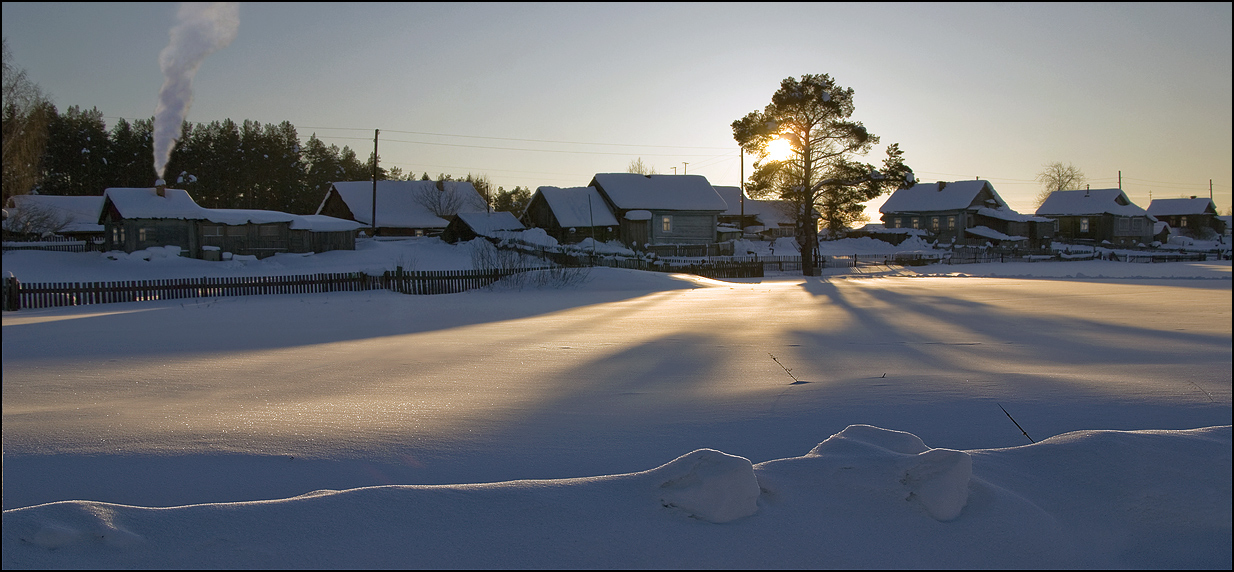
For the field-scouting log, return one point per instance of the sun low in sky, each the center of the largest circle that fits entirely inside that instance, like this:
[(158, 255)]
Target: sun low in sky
[(551, 94)]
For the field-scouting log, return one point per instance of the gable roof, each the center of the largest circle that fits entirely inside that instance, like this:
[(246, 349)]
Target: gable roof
[(488, 223), (398, 205), (578, 206), (177, 204), (1173, 207), (940, 196), (81, 214), (1089, 202), (659, 192), (768, 212)]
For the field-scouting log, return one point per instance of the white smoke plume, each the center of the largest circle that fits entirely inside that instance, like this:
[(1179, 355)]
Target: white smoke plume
[(204, 28)]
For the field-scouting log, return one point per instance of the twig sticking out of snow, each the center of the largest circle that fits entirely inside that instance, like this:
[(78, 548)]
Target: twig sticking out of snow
[(786, 370), (1017, 425)]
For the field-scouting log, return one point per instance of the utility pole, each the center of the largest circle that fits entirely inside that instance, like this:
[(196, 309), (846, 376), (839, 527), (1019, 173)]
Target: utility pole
[(1120, 179), (376, 132), (683, 167), (741, 222), (1210, 189), (674, 170)]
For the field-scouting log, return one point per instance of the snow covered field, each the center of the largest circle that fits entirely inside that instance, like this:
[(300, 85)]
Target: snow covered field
[(632, 420)]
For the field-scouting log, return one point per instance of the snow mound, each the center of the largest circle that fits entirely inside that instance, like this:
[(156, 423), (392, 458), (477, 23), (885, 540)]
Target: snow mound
[(709, 485), (937, 479), (82, 523)]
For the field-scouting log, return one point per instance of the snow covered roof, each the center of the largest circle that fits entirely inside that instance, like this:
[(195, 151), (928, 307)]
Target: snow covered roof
[(80, 213), (987, 232), (1173, 207), (1089, 202), (1005, 213), (768, 212), (177, 204), (398, 202), (578, 206), (487, 223), (941, 196), (659, 192), (323, 223)]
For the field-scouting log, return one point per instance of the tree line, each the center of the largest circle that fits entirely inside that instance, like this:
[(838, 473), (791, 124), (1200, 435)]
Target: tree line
[(222, 164)]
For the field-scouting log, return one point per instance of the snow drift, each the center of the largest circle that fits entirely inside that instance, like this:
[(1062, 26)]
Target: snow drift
[(865, 497)]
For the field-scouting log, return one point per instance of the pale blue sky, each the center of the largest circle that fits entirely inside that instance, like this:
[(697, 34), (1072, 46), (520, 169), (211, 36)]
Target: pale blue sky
[(991, 90)]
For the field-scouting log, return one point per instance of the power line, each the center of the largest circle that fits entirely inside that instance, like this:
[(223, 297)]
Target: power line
[(518, 139), (624, 154)]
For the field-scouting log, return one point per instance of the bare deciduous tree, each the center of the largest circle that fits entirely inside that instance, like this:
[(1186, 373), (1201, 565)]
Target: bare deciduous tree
[(1058, 177), (638, 167), (446, 199), (26, 111), (33, 219)]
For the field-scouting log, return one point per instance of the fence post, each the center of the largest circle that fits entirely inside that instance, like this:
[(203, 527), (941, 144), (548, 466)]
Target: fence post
[(12, 297)]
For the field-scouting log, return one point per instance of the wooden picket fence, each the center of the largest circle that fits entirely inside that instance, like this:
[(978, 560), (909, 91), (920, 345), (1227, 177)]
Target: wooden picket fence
[(18, 295)]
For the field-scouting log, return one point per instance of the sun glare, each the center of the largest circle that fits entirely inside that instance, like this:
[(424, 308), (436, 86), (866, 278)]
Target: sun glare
[(779, 150)]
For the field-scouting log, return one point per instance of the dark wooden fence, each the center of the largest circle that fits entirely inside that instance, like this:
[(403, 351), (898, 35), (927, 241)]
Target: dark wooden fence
[(47, 295), (58, 244)]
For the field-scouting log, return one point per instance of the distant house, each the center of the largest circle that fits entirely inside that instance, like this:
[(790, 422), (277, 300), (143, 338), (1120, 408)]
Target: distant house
[(1193, 217), (404, 208), (661, 209), (769, 218), (139, 218), (1098, 216), (467, 226), (571, 215), (964, 213), (70, 216)]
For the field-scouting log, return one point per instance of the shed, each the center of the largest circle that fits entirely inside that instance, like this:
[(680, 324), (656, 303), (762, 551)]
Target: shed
[(467, 226), (770, 218), (572, 214)]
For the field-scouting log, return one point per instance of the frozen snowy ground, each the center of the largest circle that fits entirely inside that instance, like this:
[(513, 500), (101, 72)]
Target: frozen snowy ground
[(242, 399)]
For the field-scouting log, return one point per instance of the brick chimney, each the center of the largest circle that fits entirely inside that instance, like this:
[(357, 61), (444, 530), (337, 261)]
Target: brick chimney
[(160, 187)]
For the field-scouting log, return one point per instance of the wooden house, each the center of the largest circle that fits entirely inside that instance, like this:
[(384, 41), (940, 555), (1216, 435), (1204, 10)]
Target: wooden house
[(1193, 217), (139, 218), (661, 209), (467, 226), (964, 213), (770, 219), (571, 215), (1098, 216), (31, 216), (404, 208)]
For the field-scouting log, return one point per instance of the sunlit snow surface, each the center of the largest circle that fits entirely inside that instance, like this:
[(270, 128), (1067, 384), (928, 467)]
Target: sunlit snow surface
[(741, 393)]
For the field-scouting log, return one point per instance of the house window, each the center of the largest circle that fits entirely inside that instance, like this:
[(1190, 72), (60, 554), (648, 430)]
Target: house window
[(950, 223), (895, 223), (1182, 222), (236, 230), (1083, 224), (268, 230), (1137, 225), (666, 223), (1124, 225), (144, 234), (211, 230), (934, 223), (916, 222), (117, 234)]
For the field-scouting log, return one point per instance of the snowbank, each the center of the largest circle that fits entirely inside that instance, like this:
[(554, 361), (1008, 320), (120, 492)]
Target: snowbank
[(865, 498)]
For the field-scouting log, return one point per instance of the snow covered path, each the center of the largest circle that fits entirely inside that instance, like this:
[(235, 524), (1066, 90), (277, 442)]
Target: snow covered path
[(269, 397)]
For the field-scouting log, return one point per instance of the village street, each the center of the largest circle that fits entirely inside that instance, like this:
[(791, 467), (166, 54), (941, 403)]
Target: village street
[(344, 390)]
